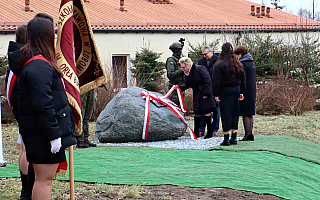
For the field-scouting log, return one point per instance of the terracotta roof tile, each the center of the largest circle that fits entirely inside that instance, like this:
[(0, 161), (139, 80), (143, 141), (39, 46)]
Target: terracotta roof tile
[(184, 15)]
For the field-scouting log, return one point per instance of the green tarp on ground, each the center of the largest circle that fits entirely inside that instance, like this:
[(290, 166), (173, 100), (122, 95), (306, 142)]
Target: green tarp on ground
[(287, 176), (285, 145)]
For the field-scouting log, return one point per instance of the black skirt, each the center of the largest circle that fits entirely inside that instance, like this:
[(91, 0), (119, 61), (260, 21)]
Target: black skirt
[(248, 104), (39, 152), (49, 158)]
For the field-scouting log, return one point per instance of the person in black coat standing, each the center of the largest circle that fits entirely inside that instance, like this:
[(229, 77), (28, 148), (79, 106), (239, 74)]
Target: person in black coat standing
[(228, 83), (43, 113), (247, 106), (208, 60), (198, 78), (27, 179)]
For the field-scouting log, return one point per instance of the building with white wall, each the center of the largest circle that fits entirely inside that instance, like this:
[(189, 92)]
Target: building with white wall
[(123, 27)]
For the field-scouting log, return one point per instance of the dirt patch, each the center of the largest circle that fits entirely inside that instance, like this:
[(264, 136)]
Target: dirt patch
[(188, 193)]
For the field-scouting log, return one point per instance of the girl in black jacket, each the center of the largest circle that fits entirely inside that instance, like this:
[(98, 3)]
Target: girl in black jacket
[(228, 83), (198, 78), (42, 111), (26, 179)]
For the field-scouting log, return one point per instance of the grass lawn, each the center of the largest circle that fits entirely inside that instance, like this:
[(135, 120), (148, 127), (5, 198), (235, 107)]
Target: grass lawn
[(305, 127)]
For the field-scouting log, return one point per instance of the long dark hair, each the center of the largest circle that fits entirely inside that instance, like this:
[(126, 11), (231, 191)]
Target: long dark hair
[(40, 33), (228, 55), (21, 34)]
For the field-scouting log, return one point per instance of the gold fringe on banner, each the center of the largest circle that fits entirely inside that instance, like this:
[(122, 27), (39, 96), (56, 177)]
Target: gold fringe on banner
[(90, 70)]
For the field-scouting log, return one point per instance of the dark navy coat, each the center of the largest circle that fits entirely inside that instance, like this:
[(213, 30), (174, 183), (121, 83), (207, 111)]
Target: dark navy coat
[(200, 82), (209, 67), (42, 109), (247, 106)]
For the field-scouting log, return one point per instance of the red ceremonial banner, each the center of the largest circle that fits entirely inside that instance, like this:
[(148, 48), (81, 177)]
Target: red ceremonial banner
[(77, 55), (66, 59)]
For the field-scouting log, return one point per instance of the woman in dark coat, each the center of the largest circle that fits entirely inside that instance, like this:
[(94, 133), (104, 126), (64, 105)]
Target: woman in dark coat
[(247, 106), (228, 83), (42, 110), (27, 181), (197, 77)]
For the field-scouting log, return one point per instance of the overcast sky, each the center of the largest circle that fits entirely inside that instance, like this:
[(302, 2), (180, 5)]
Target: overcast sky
[(292, 6)]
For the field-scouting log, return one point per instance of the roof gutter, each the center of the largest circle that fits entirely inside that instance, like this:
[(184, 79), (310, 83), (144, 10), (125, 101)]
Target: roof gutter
[(11, 31), (208, 31)]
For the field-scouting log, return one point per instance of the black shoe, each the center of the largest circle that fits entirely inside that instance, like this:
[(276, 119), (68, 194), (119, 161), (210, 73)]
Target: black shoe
[(226, 140), (208, 136), (82, 144), (248, 138), (233, 139), (90, 143), (225, 143), (25, 195)]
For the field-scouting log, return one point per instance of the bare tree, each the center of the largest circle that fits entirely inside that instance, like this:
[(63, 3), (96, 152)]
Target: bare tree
[(305, 13), (310, 13)]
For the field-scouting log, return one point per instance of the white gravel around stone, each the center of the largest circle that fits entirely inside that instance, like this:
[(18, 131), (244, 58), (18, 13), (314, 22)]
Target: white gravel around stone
[(183, 142)]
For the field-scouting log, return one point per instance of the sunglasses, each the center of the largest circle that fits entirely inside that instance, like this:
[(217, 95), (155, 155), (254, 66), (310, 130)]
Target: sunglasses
[(204, 54)]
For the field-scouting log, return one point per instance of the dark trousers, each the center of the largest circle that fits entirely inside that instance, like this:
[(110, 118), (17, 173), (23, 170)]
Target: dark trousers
[(87, 104), (215, 120), (229, 107)]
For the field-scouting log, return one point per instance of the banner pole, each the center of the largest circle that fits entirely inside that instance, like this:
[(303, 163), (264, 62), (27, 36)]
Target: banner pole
[(71, 173), (3, 163)]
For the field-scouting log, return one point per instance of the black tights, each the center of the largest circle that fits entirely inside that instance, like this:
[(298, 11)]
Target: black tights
[(248, 124)]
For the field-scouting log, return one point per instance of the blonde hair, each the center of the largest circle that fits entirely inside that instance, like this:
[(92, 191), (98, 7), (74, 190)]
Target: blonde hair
[(185, 61)]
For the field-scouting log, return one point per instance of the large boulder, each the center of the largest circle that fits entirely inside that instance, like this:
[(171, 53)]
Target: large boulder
[(123, 118)]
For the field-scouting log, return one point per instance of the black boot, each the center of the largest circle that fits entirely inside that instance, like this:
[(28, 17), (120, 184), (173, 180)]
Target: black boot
[(226, 140), (24, 181), (30, 183), (27, 183), (82, 144), (233, 139), (196, 126), (90, 143), (209, 128)]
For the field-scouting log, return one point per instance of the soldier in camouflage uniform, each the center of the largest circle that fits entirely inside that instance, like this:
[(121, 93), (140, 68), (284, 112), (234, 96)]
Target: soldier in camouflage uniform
[(87, 104), (174, 72)]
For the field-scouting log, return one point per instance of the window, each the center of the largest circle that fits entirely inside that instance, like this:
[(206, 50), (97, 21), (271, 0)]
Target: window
[(121, 70)]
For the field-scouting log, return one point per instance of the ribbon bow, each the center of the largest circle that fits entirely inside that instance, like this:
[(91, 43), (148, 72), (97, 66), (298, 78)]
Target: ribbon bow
[(163, 100)]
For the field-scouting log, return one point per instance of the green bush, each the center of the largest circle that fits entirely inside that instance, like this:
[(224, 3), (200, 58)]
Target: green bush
[(298, 59), (147, 70), (264, 52), (3, 65)]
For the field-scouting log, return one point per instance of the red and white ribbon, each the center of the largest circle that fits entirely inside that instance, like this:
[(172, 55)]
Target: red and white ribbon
[(11, 80), (163, 100)]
